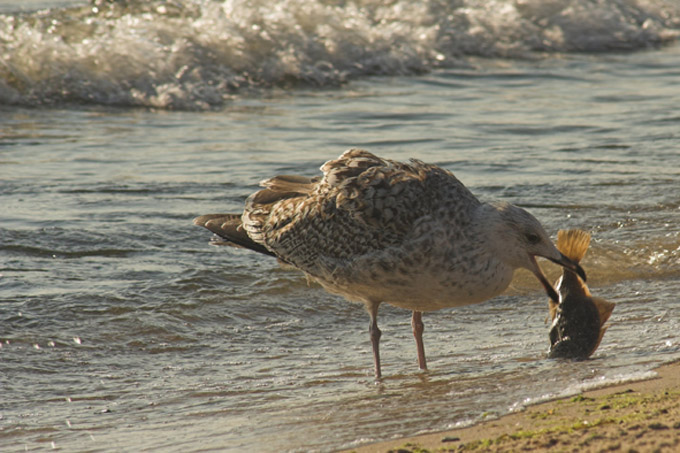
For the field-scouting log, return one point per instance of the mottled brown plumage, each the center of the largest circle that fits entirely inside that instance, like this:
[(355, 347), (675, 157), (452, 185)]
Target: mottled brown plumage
[(375, 230)]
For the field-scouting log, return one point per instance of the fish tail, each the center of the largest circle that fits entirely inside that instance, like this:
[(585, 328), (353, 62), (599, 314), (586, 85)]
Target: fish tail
[(573, 243), (604, 308)]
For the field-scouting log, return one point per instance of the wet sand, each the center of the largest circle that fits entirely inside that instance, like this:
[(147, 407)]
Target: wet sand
[(641, 416)]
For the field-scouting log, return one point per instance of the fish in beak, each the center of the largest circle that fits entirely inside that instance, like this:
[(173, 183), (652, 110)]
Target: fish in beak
[(578, 319), (562, 261)]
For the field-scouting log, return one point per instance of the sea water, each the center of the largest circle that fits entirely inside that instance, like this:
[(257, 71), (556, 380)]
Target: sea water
[(122, 329)]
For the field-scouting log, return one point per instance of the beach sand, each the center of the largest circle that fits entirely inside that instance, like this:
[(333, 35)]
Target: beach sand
[(641, 416)]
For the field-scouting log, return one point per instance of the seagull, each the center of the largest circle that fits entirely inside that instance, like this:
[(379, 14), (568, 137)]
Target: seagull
[(375, 230)]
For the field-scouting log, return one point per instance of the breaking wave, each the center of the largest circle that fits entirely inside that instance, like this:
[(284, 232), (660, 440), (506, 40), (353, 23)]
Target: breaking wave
[(197, 54)]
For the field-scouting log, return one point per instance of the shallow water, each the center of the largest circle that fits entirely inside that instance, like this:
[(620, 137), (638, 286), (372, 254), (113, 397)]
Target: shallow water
[(122, 329)]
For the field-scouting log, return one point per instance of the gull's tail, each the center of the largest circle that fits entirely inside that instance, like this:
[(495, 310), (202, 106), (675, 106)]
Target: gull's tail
[(246, 230), (228, 229)]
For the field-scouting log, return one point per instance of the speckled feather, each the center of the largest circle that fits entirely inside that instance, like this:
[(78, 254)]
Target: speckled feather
[(366, 221), (376, 230)]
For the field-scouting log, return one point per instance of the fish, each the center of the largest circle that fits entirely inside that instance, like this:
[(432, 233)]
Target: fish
[(578, 318)]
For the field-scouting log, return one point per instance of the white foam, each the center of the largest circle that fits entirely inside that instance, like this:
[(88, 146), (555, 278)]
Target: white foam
[(193, 54), (584, 386)]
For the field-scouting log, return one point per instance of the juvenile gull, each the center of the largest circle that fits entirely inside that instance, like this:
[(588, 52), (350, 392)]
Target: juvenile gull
[(375, 230)]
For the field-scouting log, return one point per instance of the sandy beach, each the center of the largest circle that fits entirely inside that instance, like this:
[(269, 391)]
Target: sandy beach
[(641, 416)]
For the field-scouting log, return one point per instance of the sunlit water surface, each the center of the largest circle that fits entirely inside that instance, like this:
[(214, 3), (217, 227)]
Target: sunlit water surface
[(122, 329)]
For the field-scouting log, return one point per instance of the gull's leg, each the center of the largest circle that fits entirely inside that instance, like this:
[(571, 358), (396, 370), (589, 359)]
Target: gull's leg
[(418, 328), (375, 333)]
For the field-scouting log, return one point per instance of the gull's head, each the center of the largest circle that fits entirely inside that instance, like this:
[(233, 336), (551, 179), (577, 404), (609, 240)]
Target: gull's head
[(519, 238)]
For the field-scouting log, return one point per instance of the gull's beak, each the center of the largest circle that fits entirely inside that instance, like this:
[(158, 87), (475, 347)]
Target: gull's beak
[(562, 261), (570, 265)]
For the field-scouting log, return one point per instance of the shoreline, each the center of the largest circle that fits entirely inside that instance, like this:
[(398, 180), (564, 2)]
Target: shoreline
[(629, 417)]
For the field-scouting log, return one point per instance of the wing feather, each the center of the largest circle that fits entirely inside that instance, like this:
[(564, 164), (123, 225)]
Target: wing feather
[(362, 204)]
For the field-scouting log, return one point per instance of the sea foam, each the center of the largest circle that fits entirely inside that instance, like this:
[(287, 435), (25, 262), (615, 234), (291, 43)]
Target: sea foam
[(196, 54)]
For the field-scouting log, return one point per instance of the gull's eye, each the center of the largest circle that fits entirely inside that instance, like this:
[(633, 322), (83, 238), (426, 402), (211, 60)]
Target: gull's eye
[(533, 238)]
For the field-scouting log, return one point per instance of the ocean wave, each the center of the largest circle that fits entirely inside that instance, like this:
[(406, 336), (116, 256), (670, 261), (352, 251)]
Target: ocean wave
[(197, 54)]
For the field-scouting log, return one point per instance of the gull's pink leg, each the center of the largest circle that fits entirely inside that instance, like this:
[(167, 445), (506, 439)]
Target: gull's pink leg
[(375, 334), (418, 328)]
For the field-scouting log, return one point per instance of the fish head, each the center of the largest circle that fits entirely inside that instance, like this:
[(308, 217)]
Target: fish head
[(558, 259)]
